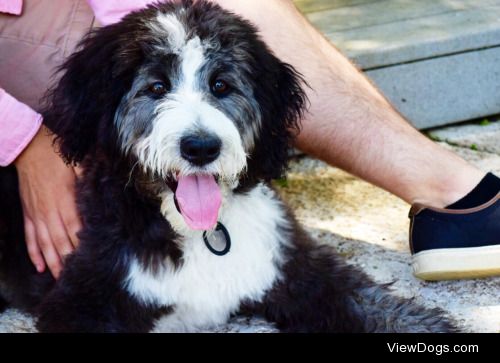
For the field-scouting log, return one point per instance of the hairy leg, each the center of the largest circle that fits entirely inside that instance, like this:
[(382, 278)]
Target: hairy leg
[(350, 124)]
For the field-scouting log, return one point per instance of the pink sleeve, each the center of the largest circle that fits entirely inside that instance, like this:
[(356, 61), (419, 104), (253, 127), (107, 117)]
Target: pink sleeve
[(18, 125), (14, 7), (111, 11)]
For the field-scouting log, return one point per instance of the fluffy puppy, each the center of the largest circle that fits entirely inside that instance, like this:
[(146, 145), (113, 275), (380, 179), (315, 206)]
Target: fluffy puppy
[(180, 116)]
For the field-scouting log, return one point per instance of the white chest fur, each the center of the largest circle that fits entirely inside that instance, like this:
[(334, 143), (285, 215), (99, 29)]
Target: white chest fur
[(207, 288)]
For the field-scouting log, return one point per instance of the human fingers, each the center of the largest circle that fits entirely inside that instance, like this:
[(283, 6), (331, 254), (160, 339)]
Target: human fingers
[(48, 249), (34, 252)]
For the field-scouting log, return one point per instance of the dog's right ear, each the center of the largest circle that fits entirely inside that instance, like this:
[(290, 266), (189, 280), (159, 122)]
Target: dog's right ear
[(85, 99)]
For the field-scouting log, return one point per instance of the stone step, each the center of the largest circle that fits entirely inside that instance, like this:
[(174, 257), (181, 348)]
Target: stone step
[(437, 61)]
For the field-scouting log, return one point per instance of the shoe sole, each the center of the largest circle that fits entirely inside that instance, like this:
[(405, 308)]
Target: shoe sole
[(457, 263)]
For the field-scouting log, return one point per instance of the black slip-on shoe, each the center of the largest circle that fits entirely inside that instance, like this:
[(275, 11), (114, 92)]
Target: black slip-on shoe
[(451, 244)]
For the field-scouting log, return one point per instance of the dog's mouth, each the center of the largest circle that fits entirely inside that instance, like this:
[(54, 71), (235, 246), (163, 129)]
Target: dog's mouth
[(198, 199)]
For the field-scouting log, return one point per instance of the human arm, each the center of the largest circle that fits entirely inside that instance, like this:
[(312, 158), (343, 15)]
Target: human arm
[(46, 184)]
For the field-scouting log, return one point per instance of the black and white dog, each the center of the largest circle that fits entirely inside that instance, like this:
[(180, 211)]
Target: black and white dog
[(180, 116)]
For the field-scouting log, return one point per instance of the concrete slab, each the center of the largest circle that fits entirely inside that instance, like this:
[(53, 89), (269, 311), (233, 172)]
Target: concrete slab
[(382, 33), (436, 60), (444, 90), (485, 137)]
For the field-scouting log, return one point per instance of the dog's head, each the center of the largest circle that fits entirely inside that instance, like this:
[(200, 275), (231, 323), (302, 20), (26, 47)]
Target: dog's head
[(189, 93)]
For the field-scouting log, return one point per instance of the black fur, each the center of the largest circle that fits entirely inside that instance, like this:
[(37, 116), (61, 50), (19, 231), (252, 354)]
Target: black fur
[(121, 213), (321, 293)]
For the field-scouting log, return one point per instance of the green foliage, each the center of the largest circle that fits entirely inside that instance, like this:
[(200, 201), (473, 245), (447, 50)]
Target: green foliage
[(434, 137), (282, 182)]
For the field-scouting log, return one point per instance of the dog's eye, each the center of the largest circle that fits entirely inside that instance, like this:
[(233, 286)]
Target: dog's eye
[(220, 87), (158, 88)]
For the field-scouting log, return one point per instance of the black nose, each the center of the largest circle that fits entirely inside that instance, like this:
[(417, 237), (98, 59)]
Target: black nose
[(200, 150)]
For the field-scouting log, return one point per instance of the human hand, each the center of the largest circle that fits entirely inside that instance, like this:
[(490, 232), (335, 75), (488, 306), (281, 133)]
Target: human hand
[(47, 189)]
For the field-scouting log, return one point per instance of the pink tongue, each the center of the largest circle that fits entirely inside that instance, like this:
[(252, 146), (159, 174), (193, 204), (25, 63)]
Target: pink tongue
[(199, 200)]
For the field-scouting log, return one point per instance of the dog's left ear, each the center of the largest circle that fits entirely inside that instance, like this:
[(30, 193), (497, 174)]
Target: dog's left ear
[(283, 101)]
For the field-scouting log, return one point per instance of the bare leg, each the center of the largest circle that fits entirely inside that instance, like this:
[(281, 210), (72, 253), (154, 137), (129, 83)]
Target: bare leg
[(350, 124)]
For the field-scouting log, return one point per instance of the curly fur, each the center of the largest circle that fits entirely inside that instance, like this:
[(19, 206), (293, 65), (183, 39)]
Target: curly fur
[(121, 205)]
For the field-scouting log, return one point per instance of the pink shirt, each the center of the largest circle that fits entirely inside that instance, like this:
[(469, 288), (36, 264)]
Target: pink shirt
[(18, 122)]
